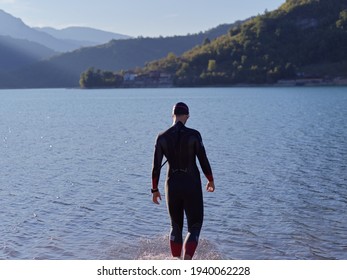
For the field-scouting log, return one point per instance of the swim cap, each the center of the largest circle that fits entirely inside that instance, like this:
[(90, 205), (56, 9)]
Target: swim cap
[(180, 109)]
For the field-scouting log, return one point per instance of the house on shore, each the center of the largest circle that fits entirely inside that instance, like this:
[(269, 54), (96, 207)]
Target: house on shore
[(151, 79)]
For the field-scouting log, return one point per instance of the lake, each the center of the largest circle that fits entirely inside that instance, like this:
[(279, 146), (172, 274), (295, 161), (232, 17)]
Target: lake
[(75, 172)]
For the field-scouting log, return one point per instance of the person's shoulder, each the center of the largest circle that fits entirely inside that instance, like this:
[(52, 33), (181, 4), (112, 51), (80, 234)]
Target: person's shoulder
[(192, 131), (165, 132)]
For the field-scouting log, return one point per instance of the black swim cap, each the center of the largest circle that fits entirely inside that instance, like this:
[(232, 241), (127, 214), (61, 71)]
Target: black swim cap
[(180, 109)]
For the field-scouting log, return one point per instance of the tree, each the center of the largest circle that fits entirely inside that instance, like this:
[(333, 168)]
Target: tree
[(212, 65), (171, 56), (88, 78), (97, 79), (342, 22), (206, 42)]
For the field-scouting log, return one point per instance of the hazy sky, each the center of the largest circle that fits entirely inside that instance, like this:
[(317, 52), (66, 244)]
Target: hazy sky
[(137, 17)]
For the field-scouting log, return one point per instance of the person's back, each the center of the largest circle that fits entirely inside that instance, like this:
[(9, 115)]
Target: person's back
[(181, 145)]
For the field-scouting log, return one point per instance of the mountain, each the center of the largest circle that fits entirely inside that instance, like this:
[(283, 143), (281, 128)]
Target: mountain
[(64, 70), (64, 40), (17, 53), (85, 35), (301, 39), (16, 28)]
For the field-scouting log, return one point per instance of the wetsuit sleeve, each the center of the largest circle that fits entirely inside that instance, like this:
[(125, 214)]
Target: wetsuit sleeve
[(204, 163), (158, 157)]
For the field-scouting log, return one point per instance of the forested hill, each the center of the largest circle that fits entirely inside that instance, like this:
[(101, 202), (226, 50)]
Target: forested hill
[(302, 37)]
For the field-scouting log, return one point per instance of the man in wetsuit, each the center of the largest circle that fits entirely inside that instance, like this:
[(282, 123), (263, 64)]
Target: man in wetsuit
[(181, 145)]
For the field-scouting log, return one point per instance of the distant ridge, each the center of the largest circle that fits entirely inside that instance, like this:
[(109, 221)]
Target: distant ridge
[(16, 28), (17, 53), (64, 40), (88, 36)]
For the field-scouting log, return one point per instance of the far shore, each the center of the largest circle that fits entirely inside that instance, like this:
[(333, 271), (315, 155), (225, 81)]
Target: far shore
[(316, 82)]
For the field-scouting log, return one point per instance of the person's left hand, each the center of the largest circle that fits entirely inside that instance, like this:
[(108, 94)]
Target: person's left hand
[(156, 197)]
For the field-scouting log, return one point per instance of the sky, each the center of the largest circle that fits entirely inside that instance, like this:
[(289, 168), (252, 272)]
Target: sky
[(147, 18)]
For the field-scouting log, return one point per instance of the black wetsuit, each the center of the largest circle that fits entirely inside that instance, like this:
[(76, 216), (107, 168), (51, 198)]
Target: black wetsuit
[(181, 145)]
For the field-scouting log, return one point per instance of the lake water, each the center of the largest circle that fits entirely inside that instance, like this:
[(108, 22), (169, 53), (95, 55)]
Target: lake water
[(75, 172)]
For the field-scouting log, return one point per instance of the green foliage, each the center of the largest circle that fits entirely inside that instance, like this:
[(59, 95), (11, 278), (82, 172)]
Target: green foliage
[(206, 41), (342, 22), (290, 4), (97, 79), (212, 65), (266, 48)]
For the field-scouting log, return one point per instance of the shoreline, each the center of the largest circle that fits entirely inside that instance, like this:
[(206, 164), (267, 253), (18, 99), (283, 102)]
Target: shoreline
[(282, 84)]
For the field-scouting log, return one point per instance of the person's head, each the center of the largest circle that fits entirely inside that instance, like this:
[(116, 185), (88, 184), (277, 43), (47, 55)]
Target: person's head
[(180, 112)]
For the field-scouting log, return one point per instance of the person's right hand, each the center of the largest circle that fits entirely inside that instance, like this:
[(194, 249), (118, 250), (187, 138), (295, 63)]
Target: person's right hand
[(210, 187)]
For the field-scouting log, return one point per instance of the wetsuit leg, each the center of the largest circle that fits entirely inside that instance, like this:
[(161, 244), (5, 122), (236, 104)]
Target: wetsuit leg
[(184, 194), (195, 212), (176, 211)]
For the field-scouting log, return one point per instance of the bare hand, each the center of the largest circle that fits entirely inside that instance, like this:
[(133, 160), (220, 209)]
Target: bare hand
[(210, 187), (156, 197)]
